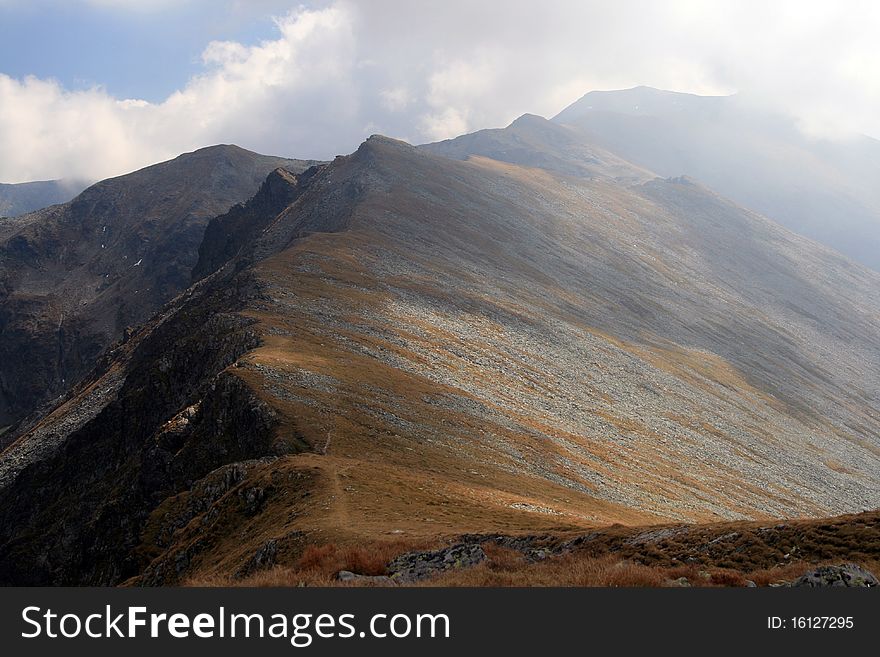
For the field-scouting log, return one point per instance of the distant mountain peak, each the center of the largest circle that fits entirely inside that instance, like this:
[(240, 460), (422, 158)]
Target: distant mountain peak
[(528, 119), (823, 189), (378, 146), (382, 141), (533, 141), (130, 244), (20, 198), (214, 151), (639, 100)]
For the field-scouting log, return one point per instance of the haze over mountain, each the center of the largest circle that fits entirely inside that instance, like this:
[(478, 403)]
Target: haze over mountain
[(826, 189), (21, 198), (514, 331), (532, 141), (74, 276)]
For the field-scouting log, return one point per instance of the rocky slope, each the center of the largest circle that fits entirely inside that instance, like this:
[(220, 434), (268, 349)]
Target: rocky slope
[(73, 277), (828, 190), (420, 346)]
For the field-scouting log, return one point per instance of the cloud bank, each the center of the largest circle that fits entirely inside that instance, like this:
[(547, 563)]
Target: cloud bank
[(335, 72)]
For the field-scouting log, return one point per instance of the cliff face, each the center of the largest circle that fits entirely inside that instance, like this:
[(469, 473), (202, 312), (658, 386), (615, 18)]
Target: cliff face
[(423, 347), (159, 414), (227, 234), (74, 276)]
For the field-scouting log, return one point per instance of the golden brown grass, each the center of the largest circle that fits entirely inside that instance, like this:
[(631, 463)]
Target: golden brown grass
[(611, 571), (583, 571), (330, 558), (710, 555), (508, 568), (319, 564)]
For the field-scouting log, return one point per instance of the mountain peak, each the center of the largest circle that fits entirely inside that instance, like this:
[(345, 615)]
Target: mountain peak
[(381, 141), (216, 151), (21, 198), (528, 120), (377, 145), (641, 100), (133, 243), (219, 148)]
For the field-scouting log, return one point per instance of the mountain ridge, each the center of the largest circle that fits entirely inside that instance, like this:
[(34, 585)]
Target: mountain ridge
[(435, 345), (75, 276), (21, 198), (522, 142), (824, 189)]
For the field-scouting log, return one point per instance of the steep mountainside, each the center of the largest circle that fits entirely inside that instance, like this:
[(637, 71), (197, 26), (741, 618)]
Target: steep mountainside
[(419, 346), (74, 276), (826, 190), (27, 197)]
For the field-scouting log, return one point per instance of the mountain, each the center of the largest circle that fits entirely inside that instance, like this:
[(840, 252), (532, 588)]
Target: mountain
[(74, 276), (823, 189), (418, 347), (21, 198), (532, 141)]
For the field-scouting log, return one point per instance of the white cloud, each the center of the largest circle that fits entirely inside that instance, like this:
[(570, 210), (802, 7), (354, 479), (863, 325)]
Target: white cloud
[(444, 124), (275, 96), (395, 100), (427, 71)]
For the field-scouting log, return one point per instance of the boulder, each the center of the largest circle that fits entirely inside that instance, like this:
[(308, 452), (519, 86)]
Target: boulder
[(348, 576), (848, 574), (414, 566)]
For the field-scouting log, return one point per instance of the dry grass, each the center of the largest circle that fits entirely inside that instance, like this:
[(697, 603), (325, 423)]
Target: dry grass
[(319, 564), (714, 555), (611, 571), (571, 570), (508, 568), (330, 558)]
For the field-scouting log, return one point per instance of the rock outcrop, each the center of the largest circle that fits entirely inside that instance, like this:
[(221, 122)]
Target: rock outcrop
[(415, 566), (847, 575)]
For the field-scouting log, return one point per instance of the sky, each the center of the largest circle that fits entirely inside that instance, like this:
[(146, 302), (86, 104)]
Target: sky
[(95, 88)]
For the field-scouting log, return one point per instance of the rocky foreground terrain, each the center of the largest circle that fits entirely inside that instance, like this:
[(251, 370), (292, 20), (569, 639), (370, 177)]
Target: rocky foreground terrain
[(514, 334), (832, 552)]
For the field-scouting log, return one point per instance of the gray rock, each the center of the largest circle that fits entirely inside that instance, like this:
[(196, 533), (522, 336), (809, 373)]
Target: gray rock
[(849, 575), (263, 559), (414, 566), (348, 576), (657, 535)]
